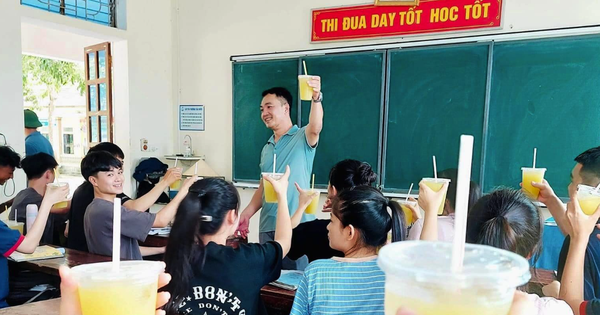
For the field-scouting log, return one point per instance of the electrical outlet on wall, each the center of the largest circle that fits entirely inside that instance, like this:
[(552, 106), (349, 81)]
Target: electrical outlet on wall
[(144, 144)]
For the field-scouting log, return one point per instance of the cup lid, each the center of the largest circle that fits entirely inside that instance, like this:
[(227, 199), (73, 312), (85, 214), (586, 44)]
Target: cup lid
[(437, 180), (430, 262), (588, 189), (128, 270), (533, 168)]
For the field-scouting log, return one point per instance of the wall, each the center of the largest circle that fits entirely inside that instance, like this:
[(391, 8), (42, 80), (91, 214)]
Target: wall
[(212, 31)]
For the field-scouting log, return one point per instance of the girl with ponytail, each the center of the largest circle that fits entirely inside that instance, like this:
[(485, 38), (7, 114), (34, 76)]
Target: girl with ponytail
[(210, 277), (361, 218)]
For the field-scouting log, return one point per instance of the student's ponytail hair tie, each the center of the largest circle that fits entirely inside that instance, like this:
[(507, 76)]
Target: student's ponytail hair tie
[(206, 218)]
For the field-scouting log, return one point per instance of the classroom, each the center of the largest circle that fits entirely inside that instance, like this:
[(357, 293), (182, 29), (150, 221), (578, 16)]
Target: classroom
[(171, 123)]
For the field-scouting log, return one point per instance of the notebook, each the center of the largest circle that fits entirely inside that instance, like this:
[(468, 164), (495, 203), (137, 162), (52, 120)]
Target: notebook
[(289, 280), (42, 252)]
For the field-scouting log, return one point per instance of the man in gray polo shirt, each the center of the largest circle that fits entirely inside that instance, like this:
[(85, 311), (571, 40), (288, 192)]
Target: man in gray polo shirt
[(295, 147)]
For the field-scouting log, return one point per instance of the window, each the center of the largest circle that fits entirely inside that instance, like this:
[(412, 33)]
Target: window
[(67, 143), (97, 11), (98, 94)]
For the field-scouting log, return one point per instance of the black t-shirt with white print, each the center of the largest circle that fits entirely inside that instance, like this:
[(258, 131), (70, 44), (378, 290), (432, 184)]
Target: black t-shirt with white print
[(230, 282)]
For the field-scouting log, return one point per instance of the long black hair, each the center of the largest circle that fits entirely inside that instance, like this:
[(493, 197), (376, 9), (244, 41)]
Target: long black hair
[(506, 219), (351, 173), (366, 209), (201, 212)]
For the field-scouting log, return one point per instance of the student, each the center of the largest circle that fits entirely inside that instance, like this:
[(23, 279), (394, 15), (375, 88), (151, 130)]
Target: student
[(39, 169), (104, 172), (310, 238), (581, 227), (12, 240), (446, 220), (84, 194), (9, 160), (506, 219), (69, 300), (35, 142), (295, 147), (587, 172), (352, 284), (213, 278)]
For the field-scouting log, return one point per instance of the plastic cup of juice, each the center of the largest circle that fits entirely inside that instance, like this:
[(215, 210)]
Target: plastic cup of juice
[(14, 225), (589, 198), (312, 207), (532, 175), (418, 276), (176, 184), (408, 214), (306, 92), (269, 192), (436, 184), (130, 290), (60, 204)]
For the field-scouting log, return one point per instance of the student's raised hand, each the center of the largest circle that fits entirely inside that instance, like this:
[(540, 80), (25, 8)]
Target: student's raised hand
[(56, 194), (430, 200), (582, 225), (546, 191), (305, 197), (69, 302), (173, 174), (244, 226), (279, 185), (315, 84), (187, 183)]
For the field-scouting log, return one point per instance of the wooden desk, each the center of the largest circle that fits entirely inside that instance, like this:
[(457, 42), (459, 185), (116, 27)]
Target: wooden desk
[(278, 301), (49, 307)]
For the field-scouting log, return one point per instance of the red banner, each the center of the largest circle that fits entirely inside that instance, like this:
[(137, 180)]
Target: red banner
[(430, 16)]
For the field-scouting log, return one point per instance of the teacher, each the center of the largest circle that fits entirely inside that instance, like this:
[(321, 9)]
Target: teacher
[(295, 147)]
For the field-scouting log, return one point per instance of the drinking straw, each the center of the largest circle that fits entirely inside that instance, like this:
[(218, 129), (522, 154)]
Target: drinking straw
[(313, 182), (304, 64), (409, 190), (116, 252), (434, 168), (534, 156), (274, 163), (462, 201)]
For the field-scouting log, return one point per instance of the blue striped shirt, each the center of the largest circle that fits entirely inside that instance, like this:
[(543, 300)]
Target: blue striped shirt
[(341, 286)]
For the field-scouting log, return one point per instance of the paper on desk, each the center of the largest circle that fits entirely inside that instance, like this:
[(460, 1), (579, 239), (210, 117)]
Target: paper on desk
[(42, 252)]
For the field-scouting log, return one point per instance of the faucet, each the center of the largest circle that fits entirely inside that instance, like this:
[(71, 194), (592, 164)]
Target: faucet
[(189, 149)]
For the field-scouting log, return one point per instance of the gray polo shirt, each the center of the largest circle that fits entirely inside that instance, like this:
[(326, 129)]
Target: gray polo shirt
[(29, 196), (292, 149), (98, 227)]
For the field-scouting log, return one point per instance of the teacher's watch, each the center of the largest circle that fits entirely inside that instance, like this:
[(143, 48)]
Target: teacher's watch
[(319, 99)]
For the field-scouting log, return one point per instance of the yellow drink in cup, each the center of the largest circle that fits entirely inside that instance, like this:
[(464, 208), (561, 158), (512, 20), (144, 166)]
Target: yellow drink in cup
[(418, 276), (312, 207), (60, 204), (176, 184), (269, 192), (589, 198), (532, 175), (130, 290), (436, 184), (14, 225), (408, 214), (306, 92)]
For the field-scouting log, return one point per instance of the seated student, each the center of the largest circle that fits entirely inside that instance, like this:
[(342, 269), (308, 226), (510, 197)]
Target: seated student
[(446, 220), (9, 160), (508, 220), (39, 169), (84, 194), (587, 172), (581, 227), (12, 240), (205, 268), (310, 238), (104, 172), (360, 223)]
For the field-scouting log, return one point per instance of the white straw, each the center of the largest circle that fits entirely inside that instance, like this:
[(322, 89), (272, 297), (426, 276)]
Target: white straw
[(462, 201), (16, 214), (175, 162), (196, 168), (598, 187), (534, 156), (116, 252), (409, 190), (434, 168), (274, 163)]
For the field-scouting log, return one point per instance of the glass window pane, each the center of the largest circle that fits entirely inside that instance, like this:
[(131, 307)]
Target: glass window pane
[(104, 128), (92, 65), (102, 64), (93, 90), (103, 105), (94, 129)]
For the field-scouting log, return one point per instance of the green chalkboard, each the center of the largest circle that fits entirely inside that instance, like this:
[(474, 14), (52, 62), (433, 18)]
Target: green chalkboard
[(435, 95), (544, 94), (353, 107), (250, 133)]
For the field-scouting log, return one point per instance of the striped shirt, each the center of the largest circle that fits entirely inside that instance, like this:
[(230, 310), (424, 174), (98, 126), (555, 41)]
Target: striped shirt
[(341, 286)]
